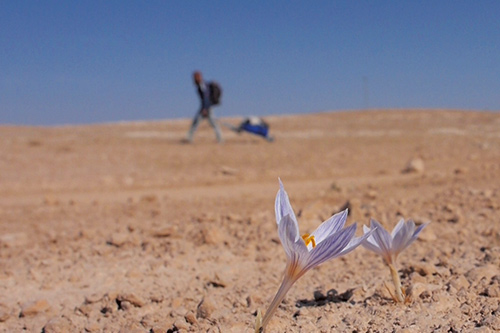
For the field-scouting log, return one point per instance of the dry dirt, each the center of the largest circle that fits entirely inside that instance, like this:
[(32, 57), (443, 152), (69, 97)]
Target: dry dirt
[(123, 228)]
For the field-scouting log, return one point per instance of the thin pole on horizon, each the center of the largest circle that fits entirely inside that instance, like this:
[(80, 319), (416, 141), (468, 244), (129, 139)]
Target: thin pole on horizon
[(366, 93)]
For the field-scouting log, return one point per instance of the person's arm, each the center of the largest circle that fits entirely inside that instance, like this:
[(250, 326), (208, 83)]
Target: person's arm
[(205, 97)]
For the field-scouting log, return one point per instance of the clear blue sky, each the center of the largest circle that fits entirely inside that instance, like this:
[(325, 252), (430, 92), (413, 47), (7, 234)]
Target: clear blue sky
[(72, 62)]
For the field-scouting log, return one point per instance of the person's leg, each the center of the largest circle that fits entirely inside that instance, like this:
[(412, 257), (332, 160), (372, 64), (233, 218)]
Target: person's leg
[(215, 125), (194, 126)]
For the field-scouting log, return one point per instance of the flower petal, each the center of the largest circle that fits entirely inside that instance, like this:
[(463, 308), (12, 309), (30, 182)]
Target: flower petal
[(357, 241), (370, 243), (416, 232), (283, 207), (370, 239), (330, 226), (288, 234), (381, 236), (402, 237), (397, 228), (331, 247)]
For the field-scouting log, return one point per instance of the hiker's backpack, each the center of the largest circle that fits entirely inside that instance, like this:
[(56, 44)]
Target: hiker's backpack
[(215, 92)]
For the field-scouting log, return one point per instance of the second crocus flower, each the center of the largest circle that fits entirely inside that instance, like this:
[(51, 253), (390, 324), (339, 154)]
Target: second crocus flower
[(389, 246)]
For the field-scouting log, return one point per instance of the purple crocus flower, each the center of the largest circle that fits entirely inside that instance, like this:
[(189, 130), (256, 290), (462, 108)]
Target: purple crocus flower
[(389, 246), (329, 240)]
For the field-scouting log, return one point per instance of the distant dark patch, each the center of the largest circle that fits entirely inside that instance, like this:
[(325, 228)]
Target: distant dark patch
[(34, 143)]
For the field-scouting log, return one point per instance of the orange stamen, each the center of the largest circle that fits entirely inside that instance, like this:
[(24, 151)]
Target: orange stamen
[(309, 239)]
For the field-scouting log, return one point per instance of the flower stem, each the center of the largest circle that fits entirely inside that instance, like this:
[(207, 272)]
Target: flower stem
[(397, 283), (278, 298)]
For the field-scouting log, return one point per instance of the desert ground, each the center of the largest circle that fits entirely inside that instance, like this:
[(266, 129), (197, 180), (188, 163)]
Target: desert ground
[(124, 228)]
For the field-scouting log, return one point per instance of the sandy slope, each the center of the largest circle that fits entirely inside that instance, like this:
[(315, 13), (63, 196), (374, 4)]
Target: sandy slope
[(122, 227)]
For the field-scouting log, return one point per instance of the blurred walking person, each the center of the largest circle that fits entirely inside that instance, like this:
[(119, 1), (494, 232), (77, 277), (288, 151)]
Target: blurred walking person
[(210, 94)]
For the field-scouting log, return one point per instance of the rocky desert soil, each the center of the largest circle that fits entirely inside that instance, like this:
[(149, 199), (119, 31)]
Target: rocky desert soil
[(124, 228)]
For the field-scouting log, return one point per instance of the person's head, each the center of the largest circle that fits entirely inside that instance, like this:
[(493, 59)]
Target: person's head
[(197, 77)]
